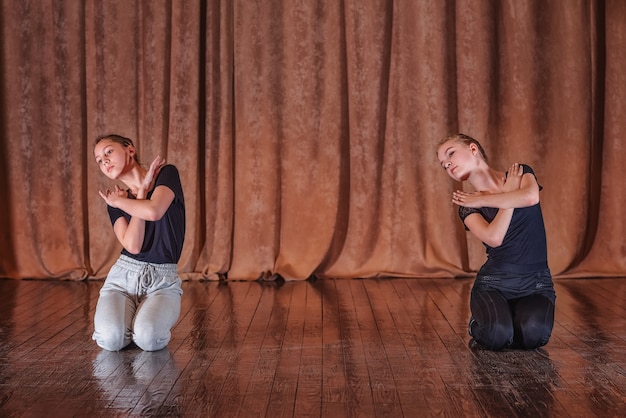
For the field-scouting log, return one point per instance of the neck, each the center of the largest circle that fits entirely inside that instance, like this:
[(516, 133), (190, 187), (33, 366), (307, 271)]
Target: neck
[(486, 179), (133, 177)]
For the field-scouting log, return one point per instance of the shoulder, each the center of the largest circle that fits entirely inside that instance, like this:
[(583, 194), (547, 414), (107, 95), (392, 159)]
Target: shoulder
[(115, 214), (168, 176), (167, 173), (529, 170), (168, 169), (465, 212)]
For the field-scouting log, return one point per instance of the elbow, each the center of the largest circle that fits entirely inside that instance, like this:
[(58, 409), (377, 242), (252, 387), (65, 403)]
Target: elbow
[(133, 248), (494, 243), (153, 215), (495, 240), (133, 244), (531, 198)]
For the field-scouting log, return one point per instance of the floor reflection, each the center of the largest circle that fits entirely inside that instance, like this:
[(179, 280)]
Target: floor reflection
[(603, 342), (519, 380), (135, 381)]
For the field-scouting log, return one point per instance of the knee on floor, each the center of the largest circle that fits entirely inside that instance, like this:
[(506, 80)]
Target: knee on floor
[(496, 336), (111, 339), (148, 338), (534, 334)]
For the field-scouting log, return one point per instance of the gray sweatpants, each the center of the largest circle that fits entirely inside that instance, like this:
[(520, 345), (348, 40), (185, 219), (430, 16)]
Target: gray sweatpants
[(138, 302)]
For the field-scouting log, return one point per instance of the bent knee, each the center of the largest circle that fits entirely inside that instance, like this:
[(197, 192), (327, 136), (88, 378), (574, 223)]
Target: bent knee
[(534, 334), (495, 336), (111, 339), (149, 338)]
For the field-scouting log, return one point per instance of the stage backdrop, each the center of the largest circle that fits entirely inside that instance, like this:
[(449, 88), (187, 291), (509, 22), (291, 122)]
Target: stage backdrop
[(305, 131)]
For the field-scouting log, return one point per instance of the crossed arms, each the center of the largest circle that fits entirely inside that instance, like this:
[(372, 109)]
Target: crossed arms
[(131, 233), (520, 190)]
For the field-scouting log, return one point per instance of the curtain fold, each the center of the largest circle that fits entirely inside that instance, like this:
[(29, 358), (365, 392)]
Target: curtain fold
[(305, 132)]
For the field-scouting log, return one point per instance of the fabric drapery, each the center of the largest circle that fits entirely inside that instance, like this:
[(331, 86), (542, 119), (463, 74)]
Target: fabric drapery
[(305, 132)]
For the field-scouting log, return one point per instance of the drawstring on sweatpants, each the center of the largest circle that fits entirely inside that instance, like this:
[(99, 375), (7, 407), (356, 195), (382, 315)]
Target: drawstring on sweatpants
[(147, 276)]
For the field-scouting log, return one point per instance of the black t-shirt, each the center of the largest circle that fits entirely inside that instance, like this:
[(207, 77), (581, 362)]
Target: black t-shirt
[(524, 247), (163, 240)]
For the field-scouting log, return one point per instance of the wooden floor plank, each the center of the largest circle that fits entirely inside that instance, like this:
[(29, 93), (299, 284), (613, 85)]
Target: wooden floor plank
[(334, 393), (212, 378), (284, 386), (324, 348), (380, 292), (424, 349), (246, 382), (309, 392), (262, 379), (380, 376), (359, 401)]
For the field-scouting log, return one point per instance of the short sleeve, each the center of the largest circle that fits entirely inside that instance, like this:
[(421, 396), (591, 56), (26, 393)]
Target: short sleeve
[(528, 169), (465, 212), (169, 177), (115, 213)]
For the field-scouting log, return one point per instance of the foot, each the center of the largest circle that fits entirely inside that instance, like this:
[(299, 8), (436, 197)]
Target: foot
[(469, 327)]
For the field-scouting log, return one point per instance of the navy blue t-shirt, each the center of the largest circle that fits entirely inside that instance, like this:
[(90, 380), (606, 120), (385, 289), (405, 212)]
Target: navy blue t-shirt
[(163, 240), (524, 248)]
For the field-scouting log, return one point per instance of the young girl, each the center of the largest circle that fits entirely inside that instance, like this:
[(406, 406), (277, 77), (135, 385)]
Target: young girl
[(512, 300), (140, 299)]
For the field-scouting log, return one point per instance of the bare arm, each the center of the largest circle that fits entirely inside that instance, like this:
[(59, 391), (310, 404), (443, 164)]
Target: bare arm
[(151, 209), (527, 194), (493, 233), (131, 233)]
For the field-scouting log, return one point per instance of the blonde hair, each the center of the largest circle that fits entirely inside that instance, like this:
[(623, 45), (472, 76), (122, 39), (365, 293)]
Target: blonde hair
[(467, 140)]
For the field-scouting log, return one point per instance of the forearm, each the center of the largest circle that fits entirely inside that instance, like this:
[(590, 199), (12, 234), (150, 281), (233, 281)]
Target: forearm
[(130, 233), (134, 235), (499, 226), (491, 233), (143, 209), (520, 198)]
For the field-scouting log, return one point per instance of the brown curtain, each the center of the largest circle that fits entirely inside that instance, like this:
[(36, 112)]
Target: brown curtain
[(305, 131)]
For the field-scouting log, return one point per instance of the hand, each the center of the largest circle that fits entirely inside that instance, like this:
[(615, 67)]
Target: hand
[(111, 197), (469, 200), (151, 174), (513, 180)]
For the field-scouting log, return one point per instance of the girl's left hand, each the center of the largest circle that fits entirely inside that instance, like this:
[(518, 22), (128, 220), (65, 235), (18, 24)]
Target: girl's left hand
[(111, 197), (468, 200), (151, 174)]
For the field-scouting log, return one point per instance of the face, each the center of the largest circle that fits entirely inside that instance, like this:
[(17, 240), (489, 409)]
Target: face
[(113, 158), (457, 158)]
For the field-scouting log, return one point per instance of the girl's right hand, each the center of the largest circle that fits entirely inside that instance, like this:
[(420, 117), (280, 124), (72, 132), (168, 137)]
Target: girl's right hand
[(111, 197), (513, 180)]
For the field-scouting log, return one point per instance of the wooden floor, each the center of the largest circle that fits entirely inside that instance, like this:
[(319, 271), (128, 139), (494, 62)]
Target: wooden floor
[(361, 348)]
